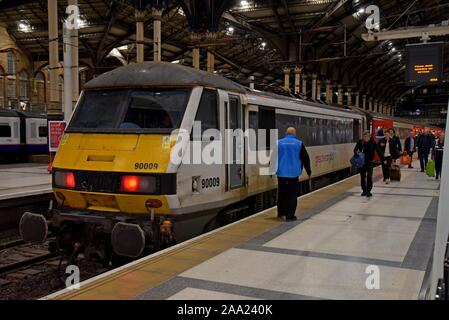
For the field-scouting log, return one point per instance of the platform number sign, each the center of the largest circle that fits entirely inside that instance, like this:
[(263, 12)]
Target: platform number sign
[(73, 19), (55, 132), (372, 22)]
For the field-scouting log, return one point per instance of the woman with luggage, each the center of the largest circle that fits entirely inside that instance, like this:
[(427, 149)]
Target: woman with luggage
[(389, 152), (438, 155), (368, 147)]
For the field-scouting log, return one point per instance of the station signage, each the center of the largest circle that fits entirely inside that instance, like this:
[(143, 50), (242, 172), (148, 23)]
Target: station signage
[(424, 64), (55, 132)]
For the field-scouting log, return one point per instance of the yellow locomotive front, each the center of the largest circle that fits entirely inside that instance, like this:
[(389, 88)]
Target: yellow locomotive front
[(114, 183), (115, 154)]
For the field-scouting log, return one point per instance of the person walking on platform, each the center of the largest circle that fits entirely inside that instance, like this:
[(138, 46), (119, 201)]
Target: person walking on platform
[(396, 144), (410, 147), (389, 151), (292, 158), (438, 155), (368, 146), (424, 144)]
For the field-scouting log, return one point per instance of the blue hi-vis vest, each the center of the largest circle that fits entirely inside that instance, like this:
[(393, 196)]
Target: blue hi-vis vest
[(289, 164)]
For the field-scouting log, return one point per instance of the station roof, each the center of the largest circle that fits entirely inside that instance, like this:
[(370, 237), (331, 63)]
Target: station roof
[(255, 37)]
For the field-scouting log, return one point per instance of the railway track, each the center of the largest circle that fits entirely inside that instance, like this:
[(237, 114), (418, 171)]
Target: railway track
[(16, 254), (31, 272)]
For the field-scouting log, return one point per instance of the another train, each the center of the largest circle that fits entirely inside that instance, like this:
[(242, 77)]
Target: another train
[(118, 191), (22, 133)]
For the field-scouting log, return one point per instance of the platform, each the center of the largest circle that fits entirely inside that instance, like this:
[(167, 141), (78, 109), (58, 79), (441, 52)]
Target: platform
[(323, 255), (23, 180)]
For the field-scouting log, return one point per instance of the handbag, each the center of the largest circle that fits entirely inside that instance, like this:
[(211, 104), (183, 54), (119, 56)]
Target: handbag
[(405, 159), (358, 160), (430, 168)]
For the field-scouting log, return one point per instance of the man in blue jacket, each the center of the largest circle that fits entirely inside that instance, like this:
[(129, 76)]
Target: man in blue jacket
[(292, 157)]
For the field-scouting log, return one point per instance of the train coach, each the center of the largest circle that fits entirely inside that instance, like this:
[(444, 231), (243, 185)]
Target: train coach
[(22, 133)]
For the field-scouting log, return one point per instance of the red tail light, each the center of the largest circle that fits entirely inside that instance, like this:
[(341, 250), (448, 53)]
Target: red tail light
[(64, 179), (130, 183), (70, 180)]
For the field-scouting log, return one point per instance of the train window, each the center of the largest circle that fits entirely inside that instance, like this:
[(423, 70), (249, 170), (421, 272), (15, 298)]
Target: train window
[(267, 121), (156, 109), (5, 130), (43, 131), (356, 130), (207, 113), (98, 109), (301, 130)]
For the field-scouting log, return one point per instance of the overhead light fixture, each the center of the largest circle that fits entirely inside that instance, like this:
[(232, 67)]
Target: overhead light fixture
[(244, 3), (82, 23), (24, 26), (175, 61)]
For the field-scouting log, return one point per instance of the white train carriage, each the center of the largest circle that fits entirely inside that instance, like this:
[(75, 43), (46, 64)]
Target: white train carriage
[(9, 133)]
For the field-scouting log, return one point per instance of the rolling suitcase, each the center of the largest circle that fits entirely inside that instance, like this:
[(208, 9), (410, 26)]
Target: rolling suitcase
[(395, 172)]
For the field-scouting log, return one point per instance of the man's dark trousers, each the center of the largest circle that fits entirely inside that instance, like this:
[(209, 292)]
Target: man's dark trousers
[(423, 159), (288, 191), (366, 177)]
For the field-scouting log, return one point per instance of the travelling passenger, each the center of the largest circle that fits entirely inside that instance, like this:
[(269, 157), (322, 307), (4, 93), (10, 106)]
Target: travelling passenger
[(410, 147), (438, 155), (292, 157), (368, 146), (396, 144), (388, 153), (424, 144)]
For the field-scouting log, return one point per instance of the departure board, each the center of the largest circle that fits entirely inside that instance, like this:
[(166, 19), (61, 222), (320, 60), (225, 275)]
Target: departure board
[(424, 64)]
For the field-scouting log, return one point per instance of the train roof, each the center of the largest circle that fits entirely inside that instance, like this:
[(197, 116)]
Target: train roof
[(31, 114), (160, 74), (264, 94), (8, 113)]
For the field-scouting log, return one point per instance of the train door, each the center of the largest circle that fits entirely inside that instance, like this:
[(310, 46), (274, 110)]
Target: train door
[(234, 140)]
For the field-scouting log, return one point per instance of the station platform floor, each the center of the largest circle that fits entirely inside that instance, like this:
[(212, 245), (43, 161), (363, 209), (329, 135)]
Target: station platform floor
[(329, 253), (22, 180)]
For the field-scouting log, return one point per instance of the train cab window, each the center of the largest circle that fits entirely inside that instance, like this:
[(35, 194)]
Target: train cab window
[(43, 132), (207, 114), (5, 130), (156, 109), (98, 109)]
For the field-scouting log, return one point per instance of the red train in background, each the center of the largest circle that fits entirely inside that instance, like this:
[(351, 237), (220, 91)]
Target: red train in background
[(378, 123)]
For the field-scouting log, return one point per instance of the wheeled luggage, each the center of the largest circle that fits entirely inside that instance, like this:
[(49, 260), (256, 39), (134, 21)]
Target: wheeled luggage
[(395, 172)]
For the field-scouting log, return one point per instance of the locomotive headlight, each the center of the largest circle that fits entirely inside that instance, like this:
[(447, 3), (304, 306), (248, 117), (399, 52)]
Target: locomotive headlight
[(138, 184), (64, 179)]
